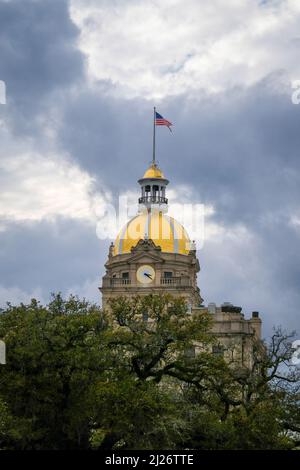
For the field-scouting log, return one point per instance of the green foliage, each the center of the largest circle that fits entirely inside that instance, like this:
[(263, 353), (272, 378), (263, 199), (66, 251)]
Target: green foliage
[(54, 356), (80, 378), (159, 346), (136, 414)]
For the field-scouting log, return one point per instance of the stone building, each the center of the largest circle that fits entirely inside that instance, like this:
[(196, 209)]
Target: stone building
[(153, 254), (236, 336)]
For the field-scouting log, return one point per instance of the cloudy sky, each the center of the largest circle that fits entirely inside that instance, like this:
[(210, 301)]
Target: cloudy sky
[(82, 77)]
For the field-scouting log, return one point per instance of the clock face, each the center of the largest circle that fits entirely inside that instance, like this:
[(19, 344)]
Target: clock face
[(145, 274)]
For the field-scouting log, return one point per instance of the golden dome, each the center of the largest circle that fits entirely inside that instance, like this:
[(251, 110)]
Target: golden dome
[(162, 229), (153, 172)]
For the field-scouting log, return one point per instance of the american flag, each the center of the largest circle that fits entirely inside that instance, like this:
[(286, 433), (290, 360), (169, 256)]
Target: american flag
[(160, 121)]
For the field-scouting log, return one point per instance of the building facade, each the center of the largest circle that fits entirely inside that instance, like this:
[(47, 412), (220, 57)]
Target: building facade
[(153, 254)]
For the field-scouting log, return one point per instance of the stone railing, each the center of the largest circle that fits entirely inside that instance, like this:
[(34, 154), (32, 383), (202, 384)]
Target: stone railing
[(176, 281), (116, 282), (182, 281)]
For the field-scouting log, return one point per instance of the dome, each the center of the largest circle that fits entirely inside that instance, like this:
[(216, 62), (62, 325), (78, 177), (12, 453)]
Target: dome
[(153, 172), (162, 229)]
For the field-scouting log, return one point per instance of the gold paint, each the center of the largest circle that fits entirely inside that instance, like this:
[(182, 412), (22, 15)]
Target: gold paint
[(160, 232), (153, 172)]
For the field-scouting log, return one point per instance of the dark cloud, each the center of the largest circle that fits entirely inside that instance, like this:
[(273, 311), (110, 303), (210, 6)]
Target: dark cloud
[(239, 151), (50, 256), (259, 273), (109, 137), (38, 57)]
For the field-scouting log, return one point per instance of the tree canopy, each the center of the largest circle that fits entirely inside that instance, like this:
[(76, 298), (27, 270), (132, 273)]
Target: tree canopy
[(80, 378)]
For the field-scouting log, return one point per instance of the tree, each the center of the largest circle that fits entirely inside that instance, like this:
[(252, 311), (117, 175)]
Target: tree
[(140, 376), (151, 340), (54, 358), (253, 407), (156, 337)]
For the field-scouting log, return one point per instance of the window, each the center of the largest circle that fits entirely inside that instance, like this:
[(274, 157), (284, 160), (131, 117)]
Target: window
[(125, 278), (168, 274), (145, 316), (167, 277), (218, 350)]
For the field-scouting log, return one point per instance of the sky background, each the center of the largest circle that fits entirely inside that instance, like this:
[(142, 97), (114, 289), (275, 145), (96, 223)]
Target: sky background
[(82, 77)]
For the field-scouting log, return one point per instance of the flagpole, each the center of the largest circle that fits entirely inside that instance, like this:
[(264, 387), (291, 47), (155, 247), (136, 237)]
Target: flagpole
[(153, 157)]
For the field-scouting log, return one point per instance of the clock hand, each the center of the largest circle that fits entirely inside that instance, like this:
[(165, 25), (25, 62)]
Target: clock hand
[(148, 275)]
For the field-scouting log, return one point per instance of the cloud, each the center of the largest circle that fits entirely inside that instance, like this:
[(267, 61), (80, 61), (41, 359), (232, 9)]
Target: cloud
[(158, 49), (88, 290), (40, 62), (247, 269), (38, 49), (15, 295), (36, 186), (47, 257), (76, 132)]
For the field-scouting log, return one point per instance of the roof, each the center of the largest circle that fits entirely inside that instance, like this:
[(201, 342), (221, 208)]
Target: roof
[(162, 229), (153, 172)]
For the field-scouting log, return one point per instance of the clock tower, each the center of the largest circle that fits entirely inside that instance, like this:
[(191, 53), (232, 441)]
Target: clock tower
[(152, 252)]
